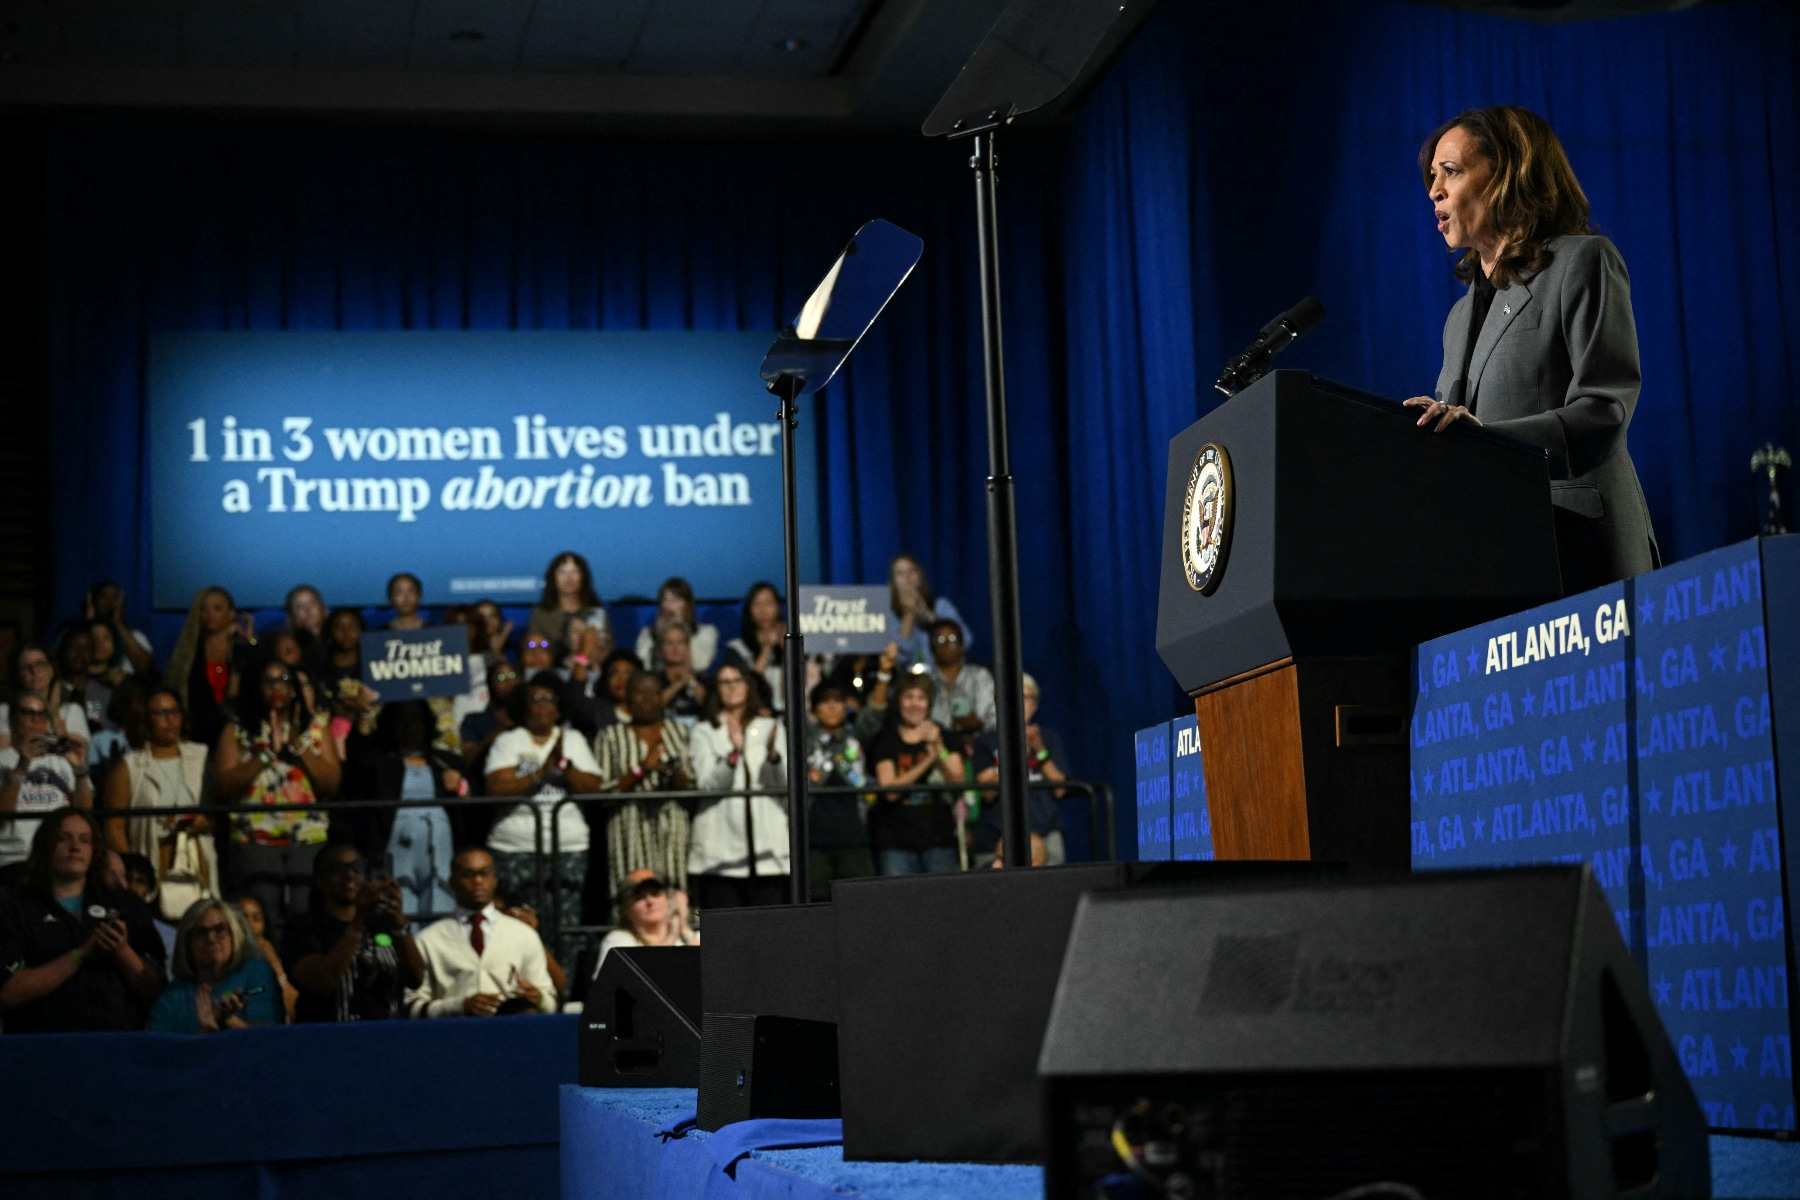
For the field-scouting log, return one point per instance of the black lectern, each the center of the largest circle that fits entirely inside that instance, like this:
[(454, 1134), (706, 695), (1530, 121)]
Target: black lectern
[(1312, 536)]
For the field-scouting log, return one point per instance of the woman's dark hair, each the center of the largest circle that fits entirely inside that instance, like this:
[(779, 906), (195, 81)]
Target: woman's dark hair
[(1532, 197), (712, 707), (129, 708), (911, 681), (13, 686), (63, 645), (287, 605), (392, 716), (617, 655), (252, 711), (685, 590), (747, 626), (924, 583), (34, 876), (519, 703), (397, 577), (589, 599), (331, 618)]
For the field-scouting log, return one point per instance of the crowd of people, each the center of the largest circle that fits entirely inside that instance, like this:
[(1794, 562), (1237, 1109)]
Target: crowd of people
[(547, 794)]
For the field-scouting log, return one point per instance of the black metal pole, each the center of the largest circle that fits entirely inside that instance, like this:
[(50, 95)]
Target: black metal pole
[(1003, 539), (793, 650)]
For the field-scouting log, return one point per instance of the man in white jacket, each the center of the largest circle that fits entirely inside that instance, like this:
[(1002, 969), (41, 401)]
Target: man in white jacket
[(480, 962)]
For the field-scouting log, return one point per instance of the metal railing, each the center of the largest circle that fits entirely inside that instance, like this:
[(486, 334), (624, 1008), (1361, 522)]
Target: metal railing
[(547, 874)]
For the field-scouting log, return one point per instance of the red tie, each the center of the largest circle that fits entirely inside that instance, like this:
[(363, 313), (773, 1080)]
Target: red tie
[(475, 936)]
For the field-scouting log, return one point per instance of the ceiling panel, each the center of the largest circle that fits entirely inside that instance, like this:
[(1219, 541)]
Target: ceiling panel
[(351, 35), (579, 35), (468, 35), (239, 37)]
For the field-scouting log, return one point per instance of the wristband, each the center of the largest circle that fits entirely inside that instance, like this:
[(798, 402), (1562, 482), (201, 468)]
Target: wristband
[(1041, 756), (884, 676), (77, 955), (943, 754), (82, 774), (562, 764), (733, 758)]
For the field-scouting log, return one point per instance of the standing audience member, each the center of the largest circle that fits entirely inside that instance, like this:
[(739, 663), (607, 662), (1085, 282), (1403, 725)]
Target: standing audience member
[(32, 671), (651, 913), (675, 602), (759, 643), (306, 614), (738, 852), (352, 704), (76, 952), (404, 592), (131, 651), (914, 832), (647, 756), (351, 954), (221, 980), (544, 760), (964, 702), (76, 681), (257, 921), (212, 655), (1045, 759), (140, 881), (837, 828), (480, 962), (39, 772), (683, 694), (165, 771), (909, 593), (608, 701), (497, 631), (417, 841), (569, 612), (276, 752), (480, 729)]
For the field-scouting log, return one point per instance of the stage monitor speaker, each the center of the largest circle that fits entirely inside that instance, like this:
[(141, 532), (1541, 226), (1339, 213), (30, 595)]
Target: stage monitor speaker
[(640, 1024), (944, 985), (1484, 1035), (759, 1066), (769, 1038)]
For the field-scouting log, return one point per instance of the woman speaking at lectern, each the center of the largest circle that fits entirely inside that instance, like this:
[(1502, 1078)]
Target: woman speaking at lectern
[(1543, 346)]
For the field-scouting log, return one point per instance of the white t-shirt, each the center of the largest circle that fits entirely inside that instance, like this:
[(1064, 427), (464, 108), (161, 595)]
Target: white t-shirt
[(49, 783), (516, 832)]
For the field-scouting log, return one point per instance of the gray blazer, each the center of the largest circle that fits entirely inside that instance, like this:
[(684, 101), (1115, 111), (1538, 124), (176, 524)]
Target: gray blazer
[(1557, 364)]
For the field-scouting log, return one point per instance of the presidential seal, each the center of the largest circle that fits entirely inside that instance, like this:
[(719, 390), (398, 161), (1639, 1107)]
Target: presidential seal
[(1206, 519)]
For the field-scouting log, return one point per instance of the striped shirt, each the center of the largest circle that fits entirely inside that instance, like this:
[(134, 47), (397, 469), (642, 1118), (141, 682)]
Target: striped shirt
[(642, 833)]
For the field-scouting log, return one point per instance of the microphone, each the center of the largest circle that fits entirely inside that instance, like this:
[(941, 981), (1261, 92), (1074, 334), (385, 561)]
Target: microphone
[(1253, 363)]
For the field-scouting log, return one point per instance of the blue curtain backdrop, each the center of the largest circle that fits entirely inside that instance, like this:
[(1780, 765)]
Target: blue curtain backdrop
[(1218, 173)]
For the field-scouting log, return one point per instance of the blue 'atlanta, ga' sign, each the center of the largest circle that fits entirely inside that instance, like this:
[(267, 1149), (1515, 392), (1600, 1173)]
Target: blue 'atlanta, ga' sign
[(1632, 728)]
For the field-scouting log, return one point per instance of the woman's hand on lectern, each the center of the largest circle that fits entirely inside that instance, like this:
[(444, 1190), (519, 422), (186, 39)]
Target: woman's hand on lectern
[(1446, 415)]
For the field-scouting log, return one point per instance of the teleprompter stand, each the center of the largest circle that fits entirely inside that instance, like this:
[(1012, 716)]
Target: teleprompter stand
[(804, 358), (1032, 54)]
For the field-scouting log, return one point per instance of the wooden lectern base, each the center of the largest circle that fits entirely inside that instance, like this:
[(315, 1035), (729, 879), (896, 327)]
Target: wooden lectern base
[(1308, 759)]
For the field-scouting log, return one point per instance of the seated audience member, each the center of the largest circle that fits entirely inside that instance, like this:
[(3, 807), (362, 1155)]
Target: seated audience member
[(276, 752), (404, 593), (1044, 759), (675, 602), (39, 772), (648, 755), (914, 832), (215, 652), (131, 652), (569, 612), (683, 694), (964, 702), (837, 829), (221, 980), (480, 962), (416, 841), (105, 655), (910, 594), (609, 700), (544, 760), (651, 913), (732, 747), (352, 954), (497, 631), (1040, 854), (76, 953), (758, 646), (32, 671), (257, 921), (164, 771), (518, 910), (139, 877)]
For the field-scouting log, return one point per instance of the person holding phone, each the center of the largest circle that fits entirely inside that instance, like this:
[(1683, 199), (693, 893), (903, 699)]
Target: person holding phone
[(221, 982), (77, 952), (39, 771), (352, 955), (480, 962)]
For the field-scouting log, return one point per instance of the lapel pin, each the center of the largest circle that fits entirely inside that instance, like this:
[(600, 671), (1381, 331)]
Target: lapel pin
[(1506, 310)]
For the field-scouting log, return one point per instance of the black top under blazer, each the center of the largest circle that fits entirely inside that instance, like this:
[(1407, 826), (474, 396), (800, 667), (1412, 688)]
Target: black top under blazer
[(1556, 363)]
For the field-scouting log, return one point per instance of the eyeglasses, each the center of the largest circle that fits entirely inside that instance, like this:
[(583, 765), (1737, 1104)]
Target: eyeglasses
[(332, 870), (947, 639), (537, 643), (472, 873), (733, 681), (163, 712), (271, 680), (34, 714), (201, 933), (505, 676)]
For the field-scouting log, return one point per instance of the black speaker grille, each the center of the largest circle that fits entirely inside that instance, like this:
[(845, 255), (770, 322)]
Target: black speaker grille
[(727, 1054)]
